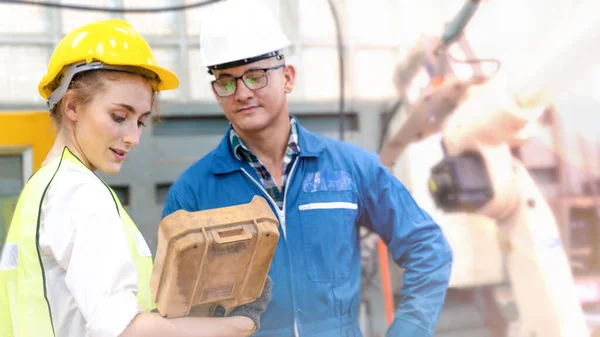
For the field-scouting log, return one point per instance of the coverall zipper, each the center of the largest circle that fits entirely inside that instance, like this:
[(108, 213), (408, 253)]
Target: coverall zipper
[(281, 216)]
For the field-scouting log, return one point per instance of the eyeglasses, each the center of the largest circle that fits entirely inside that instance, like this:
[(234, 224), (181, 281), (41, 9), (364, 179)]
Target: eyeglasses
[(254, 79)]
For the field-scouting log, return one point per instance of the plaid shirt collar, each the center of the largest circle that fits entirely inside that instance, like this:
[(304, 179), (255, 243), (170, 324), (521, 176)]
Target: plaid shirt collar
[(242, 153)]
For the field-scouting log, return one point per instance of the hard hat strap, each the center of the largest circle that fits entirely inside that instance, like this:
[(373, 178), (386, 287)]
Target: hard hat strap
[(245, 61), (80, 67)]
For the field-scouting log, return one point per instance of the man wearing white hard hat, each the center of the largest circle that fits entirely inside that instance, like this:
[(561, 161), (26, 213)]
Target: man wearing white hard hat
[(322, 191)]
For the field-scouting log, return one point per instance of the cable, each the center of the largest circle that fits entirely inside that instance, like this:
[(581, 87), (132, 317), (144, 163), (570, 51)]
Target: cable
[(340, 48), (476, 61), (110, 10)]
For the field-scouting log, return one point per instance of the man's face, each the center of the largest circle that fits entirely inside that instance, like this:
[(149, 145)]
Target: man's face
[(251, 111)]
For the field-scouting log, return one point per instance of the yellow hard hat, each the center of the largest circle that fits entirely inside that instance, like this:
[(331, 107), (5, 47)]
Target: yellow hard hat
[(107, 44)]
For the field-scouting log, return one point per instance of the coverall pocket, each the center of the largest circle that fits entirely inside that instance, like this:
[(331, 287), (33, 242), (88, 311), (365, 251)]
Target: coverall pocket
[(329, 233)]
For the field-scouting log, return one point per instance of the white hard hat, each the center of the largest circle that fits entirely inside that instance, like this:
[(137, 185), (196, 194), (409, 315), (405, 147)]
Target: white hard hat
[(238, 32)]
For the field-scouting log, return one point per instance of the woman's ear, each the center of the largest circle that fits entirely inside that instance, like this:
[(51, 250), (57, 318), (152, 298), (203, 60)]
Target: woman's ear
[(70, 106), (290, 78)]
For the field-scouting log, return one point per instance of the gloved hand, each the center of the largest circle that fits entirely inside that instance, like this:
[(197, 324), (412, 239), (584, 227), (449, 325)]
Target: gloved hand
[(251, 310)]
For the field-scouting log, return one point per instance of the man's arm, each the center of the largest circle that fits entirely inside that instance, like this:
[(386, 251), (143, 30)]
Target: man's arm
[(416, 243)]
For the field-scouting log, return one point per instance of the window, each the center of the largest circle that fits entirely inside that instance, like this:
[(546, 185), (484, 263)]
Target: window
[(20, 79), (122, 192), (160, 192)]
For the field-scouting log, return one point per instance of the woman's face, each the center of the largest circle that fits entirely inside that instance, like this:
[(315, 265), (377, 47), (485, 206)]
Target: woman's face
[(110, 126)]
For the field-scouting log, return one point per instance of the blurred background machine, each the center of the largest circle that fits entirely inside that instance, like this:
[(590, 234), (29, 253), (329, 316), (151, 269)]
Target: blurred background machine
[(454, 138)]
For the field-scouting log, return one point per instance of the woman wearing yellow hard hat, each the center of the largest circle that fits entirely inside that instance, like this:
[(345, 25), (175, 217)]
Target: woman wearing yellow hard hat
[(74, 263)]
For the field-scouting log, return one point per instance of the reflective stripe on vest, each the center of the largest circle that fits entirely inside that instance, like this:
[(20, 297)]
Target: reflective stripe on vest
[(24, 307)]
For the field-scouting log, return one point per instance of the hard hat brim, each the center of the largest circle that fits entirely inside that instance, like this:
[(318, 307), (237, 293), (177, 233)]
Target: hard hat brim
[(248, 60), (168, 80), (68, 74)]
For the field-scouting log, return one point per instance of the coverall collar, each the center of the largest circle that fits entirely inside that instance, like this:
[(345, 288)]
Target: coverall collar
[(224, 160)]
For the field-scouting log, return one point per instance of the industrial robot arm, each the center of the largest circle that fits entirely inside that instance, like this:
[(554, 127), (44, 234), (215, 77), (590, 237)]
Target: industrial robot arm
[(479, 174)]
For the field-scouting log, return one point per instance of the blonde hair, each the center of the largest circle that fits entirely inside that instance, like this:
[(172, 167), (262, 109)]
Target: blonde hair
[(86, 85)]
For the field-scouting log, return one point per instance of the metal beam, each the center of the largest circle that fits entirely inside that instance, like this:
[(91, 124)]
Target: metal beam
[(20, 40)]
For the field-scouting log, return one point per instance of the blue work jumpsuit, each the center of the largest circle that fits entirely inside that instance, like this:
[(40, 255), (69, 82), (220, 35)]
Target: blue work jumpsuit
[(333, 189)]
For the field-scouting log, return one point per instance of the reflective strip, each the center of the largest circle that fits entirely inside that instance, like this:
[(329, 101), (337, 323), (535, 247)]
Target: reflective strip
[(142, 246), (328, 205), (10, 256)]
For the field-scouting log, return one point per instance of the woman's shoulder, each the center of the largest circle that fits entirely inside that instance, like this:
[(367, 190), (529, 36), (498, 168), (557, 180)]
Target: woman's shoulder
[(77, 187)]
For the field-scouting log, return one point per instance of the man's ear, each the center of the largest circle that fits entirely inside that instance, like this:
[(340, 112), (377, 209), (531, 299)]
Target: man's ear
[(70, 106), (289, 73)]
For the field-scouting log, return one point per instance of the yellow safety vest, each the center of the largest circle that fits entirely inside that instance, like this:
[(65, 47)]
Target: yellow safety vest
[(24, 308)]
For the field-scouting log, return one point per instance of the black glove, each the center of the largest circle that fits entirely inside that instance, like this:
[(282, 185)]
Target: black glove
[(251, 310)]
